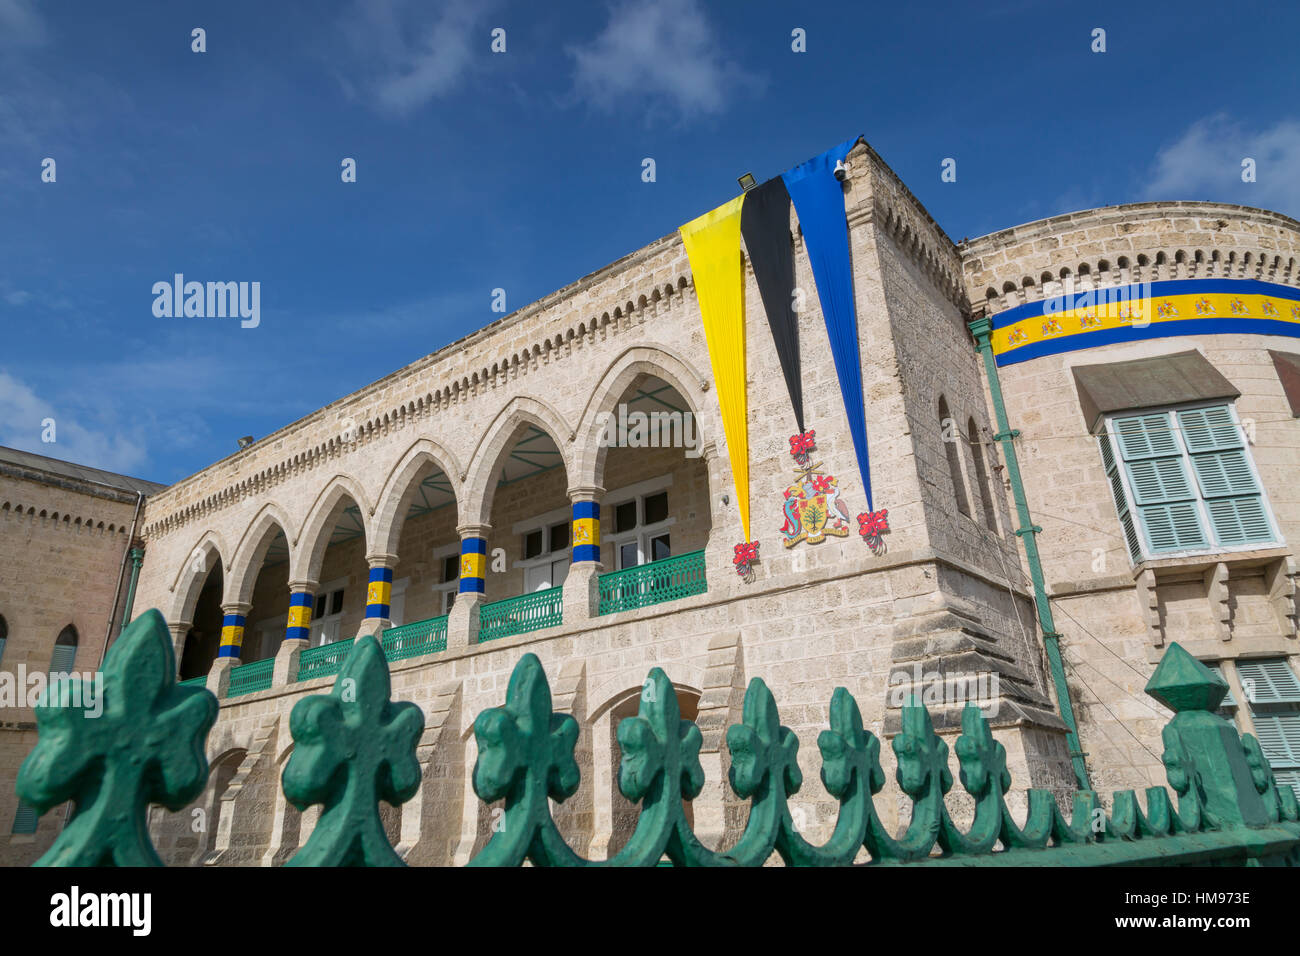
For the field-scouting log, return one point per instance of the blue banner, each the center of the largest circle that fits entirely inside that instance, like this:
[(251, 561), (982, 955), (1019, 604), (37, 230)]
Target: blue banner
[(819, 201)]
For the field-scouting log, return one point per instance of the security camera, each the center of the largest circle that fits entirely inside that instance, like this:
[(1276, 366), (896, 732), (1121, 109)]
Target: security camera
[(841, 170)]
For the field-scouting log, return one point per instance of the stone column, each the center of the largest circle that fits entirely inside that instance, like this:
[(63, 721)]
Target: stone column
[(179, 630), (378, 594), (462, 622), (234, 616), (297, 632), (581, 586)]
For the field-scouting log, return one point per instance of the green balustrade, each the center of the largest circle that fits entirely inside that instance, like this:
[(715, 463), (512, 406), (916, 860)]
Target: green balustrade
[(251, 677), (519, 615), (652, 583), (412, 640), (200, 681), (355, 747), (323, 661)]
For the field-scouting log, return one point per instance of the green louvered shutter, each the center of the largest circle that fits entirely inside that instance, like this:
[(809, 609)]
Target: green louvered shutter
[(1121, 499), (62, 659), (25, 819), (1223, 473), (1279, 738), (1164, 498), (1271, 681)]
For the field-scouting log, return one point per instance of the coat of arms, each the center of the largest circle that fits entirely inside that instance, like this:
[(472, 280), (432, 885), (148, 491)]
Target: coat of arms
[(813, 509)]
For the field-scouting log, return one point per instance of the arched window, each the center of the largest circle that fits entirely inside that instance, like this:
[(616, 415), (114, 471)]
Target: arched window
[(4, 636), (950, 435), (65, 651), (981, 476)]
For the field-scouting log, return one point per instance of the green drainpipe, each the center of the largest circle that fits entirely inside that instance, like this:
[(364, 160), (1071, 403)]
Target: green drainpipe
[(982, 330), (137, 558)]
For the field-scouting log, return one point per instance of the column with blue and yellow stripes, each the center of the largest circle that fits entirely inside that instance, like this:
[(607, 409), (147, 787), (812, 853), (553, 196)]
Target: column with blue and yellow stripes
[(234, 616), (581, 584), (379, 593), (302, 596), (462, 623)]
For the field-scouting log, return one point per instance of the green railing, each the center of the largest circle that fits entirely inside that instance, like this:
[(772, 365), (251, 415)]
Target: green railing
[(652, 583), (323, 661), (200, 681), (412, 640), (518, 615), (357, 749), (250, 677)]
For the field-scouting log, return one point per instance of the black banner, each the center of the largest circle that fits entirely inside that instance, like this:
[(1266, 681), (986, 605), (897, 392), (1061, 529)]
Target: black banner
[(765, 226)]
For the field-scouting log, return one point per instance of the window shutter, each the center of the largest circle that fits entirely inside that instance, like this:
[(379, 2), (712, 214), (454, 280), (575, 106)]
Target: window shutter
[(1239, 520), (1121, 499), (1145, 436), (1173, 527), (25, 819), (62, 659), (1158, 480), (1272, 680), (1279, 738), (1165, 500), (1209, 429)]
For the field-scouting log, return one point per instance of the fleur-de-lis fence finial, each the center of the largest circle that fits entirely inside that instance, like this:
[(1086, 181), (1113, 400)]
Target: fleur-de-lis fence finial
[(352, 748), (142, 743)]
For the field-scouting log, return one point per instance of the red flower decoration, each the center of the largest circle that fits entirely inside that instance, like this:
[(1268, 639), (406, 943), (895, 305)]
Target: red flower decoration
[(872, 523), (802, 444), (746, 555), (822, 483)]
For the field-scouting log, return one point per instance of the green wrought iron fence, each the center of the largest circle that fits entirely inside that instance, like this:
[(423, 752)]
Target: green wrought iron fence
[(250, 677), (518, 615), (356, 747), (412, 640), (323, 661), (200, 681), (652, 583)]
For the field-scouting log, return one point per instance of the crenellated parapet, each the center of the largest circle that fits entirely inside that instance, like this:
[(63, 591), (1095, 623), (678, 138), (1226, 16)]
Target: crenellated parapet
[(1119, 245)]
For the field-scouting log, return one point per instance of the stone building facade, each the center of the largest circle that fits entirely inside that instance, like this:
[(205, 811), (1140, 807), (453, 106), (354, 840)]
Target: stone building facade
[(441, 506), (65, 572)]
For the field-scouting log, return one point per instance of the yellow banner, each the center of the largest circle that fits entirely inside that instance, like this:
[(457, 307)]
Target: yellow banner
[(713, 247)]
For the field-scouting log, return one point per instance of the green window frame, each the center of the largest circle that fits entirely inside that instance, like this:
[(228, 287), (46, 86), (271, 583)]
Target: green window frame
[(1183, 481)]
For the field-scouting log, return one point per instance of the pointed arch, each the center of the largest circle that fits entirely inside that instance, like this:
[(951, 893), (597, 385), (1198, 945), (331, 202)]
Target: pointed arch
[(252, 548), (321, 518), (401, 486), (497, 441), (632, 363), (209, 552)]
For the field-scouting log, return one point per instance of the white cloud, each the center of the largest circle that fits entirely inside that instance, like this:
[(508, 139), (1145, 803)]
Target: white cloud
[(411, 58), (665, 50), (22, 413), (1205, 164)]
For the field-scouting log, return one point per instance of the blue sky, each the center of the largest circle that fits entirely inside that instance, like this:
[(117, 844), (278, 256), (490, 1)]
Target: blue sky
[(522, 170)]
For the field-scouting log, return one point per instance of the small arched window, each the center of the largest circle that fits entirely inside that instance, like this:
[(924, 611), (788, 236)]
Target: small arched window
[(981, 476), (949, 434), (4, 636), (65, 651)]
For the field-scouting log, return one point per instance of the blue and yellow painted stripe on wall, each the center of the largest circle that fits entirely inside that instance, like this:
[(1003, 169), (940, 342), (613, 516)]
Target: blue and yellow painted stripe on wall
[(379, 592), (232, 635), (299, 626), (1147, 310), (586, 531), (473, 565)]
